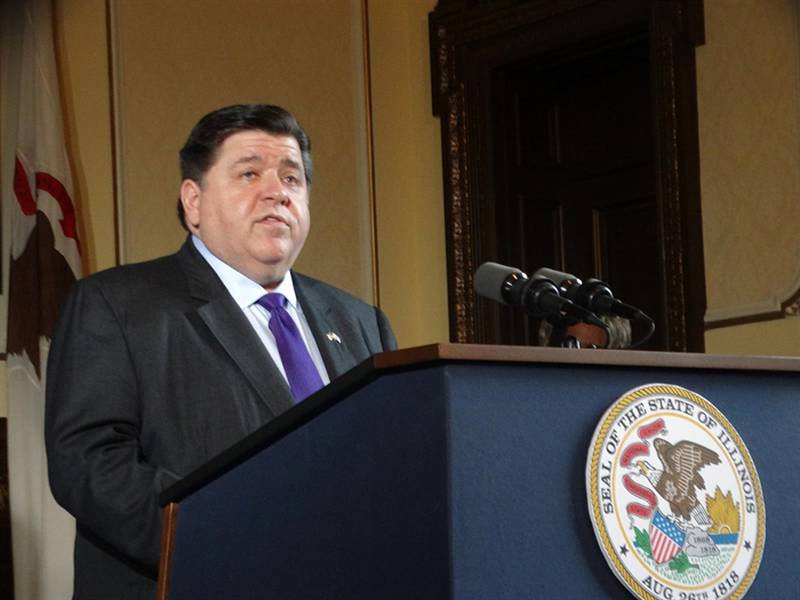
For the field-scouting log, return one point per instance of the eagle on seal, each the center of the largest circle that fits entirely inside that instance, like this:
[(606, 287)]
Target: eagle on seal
[(680, 479)]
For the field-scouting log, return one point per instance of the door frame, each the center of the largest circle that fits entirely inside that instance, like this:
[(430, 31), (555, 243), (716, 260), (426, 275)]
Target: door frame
[(469, 40)]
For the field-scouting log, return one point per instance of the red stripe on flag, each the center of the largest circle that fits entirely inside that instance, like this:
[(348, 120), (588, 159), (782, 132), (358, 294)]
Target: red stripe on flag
[(51, 185), (663, 547), (22, 190), (46, 183)]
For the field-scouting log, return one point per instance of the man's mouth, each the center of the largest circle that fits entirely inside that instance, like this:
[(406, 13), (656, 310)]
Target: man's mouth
[(274, 219)]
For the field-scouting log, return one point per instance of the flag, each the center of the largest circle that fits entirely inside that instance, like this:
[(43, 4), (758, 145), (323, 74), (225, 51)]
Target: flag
[(666, 538), (44, 261)]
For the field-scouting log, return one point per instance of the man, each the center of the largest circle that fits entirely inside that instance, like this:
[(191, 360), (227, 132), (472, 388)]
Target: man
[(157, 367)]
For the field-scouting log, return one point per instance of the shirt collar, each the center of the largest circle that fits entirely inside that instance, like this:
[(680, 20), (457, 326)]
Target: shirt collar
[(244, 290)]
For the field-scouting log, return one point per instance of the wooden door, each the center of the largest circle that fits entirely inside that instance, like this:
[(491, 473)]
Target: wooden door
[(569, 139), (575, 175)]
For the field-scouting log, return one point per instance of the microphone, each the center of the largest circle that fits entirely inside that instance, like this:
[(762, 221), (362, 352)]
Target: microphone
[(565, 281), (593, 294), (539, 295), (596, 296)]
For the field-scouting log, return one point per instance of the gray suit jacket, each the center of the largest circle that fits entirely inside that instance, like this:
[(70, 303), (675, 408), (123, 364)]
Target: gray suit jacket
[(153, 371)]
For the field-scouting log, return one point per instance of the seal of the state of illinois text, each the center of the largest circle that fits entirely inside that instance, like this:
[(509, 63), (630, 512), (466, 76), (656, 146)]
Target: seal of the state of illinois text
[(674, 497)]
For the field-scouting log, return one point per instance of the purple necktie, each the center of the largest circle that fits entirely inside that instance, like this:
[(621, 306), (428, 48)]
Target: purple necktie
[(303, 376)]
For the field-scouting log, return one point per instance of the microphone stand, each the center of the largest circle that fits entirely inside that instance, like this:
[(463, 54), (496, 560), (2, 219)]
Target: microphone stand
[(571, 342)]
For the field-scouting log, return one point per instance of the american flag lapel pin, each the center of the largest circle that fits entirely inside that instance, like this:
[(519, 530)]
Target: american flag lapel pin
[(333, 337)]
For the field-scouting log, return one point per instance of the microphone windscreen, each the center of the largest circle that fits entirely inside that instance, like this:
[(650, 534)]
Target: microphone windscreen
[(557, 277), (489, 279)]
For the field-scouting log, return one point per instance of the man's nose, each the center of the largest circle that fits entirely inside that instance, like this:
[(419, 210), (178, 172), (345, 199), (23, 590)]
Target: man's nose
[(273, 188)]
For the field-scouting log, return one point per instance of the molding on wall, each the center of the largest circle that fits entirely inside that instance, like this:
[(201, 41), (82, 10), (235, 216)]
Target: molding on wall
[(785, 303), (781, 302), (117, 108), (768, 310), (371, 199), (727, 313), (6, 561), (113, 96)]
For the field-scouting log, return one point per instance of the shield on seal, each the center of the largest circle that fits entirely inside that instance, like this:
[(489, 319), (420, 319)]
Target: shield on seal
[(666, 538)]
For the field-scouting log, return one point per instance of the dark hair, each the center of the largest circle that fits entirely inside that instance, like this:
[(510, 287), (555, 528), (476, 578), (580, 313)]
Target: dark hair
[(200, 150)]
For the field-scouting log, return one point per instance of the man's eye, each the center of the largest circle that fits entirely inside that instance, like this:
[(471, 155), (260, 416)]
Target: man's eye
[(291, 179), (249, 174)]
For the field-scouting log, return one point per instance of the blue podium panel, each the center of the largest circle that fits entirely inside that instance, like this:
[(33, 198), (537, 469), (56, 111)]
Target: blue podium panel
[(351, 505), (461, 480), (518, 438)]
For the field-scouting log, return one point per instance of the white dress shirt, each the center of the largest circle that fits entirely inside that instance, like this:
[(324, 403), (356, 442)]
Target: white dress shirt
[(246, 292)]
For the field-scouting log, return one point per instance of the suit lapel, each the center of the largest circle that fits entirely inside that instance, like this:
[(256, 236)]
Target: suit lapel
[(225, 320), (326, 326)]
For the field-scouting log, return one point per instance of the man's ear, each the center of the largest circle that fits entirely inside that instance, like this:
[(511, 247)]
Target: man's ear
[(190, 199)]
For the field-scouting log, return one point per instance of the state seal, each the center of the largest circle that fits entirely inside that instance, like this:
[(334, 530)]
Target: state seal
[(674, 497)]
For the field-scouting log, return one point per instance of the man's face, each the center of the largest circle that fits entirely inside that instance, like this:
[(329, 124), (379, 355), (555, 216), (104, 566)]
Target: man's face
[(251, 210)]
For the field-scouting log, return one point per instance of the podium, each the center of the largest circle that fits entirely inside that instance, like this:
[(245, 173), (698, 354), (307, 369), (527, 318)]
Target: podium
[(457, 472)]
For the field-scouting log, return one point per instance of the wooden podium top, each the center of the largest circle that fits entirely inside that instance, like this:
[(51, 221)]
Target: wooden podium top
[(478, 352)]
